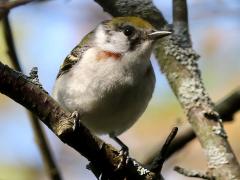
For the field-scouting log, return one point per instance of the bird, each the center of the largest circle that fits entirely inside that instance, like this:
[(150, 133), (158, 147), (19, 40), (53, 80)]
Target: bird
[(108, 78)]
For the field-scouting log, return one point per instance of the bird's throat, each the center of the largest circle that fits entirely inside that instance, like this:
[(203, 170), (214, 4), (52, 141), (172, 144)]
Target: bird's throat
[(104, 55)]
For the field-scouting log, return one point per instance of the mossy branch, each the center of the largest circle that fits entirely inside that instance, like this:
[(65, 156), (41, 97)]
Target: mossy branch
[(226, 108)]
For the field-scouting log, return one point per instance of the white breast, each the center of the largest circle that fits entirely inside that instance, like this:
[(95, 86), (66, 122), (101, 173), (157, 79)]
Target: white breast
[(108, 94)]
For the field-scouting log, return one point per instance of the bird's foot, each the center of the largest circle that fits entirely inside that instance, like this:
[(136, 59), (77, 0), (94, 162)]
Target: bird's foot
[(123, 154), (124, 157), (76, 122)]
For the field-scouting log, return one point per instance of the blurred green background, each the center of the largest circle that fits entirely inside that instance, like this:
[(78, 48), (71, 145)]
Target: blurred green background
[(45, 33)]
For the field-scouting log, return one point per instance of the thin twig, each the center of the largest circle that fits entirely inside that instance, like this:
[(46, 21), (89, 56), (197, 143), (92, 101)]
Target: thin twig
[(44, 148), (157, 164), (38, 131), (192, 173), (11, 50)]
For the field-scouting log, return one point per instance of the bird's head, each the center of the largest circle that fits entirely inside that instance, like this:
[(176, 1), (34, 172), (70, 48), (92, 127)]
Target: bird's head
[(127, 35)]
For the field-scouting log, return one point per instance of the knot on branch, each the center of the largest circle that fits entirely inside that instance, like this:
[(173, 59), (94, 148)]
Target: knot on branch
[(218, 128), (33, 77)]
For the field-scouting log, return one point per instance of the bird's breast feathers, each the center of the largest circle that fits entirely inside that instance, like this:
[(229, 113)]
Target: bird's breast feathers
[(99, 72), (98, 88), (101, 67), (104, 55)]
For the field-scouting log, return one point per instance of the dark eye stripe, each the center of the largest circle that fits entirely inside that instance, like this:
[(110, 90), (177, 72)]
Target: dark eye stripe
[(134, 42)]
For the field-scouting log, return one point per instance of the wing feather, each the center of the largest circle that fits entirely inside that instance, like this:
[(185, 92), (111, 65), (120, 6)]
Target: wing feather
[(76, 54)]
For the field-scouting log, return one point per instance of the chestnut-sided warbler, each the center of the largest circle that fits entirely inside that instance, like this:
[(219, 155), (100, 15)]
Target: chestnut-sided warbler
[(108, 77)]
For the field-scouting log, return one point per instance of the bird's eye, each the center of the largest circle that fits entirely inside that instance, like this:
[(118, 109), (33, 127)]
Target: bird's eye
[(128, 30)]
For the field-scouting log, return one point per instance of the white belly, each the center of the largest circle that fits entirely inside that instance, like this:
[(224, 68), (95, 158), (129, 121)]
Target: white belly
[(108, 97)]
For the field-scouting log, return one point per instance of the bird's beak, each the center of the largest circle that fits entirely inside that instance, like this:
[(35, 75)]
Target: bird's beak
[(158, 34)]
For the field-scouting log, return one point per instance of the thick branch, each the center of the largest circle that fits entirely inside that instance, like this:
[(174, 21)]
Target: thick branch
[(226, 109), (179, 63), (180, 13), (180, 23)]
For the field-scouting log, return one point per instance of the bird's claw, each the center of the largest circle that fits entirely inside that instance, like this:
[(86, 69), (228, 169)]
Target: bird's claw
[(124, 157), (76, 122), (123, 153)]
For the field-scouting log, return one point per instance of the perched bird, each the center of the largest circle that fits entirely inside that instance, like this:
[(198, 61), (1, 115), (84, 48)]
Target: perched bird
[(108, 77)]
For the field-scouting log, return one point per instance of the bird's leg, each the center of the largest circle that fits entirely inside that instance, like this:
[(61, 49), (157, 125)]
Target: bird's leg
[(124, 152), (124, 148)]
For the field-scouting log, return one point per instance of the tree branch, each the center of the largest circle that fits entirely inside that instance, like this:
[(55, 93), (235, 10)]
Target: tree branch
[(226, 108), (157, 163), (141, 8), (193, 173), (180, 22), (68, 128), (229, 105), (179, 63)]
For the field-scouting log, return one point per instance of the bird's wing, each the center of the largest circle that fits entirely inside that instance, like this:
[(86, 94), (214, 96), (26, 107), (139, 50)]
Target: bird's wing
[(76, 54)]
